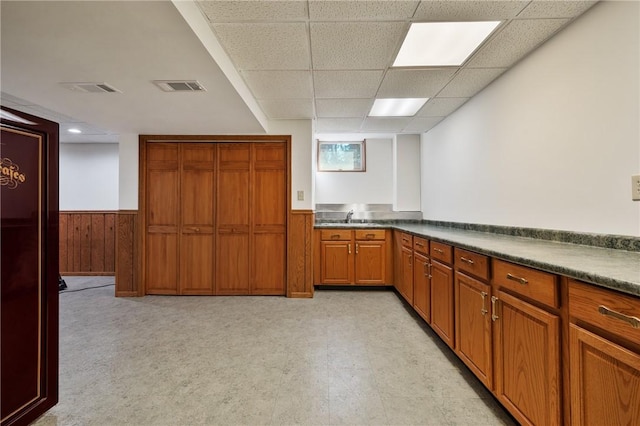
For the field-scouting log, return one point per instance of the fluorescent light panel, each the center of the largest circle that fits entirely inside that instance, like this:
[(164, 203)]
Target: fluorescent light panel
[(430, 44), (74, 130), (396, 107)]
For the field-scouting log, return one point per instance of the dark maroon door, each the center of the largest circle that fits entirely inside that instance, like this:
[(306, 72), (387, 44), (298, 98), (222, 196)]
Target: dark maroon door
[(29, 266)]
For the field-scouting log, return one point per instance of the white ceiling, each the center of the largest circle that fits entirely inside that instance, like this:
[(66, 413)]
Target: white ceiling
[(299, 59)]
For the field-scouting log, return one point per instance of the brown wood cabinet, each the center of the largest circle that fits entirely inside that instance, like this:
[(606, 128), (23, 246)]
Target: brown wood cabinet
[(216, 218), (442, 292), (472, 315), (604, 356), (422, 286), (526, 344), (403, 262), (354, 257)]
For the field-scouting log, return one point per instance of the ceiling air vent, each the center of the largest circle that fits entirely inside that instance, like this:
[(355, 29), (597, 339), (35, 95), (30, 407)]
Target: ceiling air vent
[(91, 87), (179, 85)]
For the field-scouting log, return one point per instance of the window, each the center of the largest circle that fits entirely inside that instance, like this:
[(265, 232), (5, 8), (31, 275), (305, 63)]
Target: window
[(341, 156)]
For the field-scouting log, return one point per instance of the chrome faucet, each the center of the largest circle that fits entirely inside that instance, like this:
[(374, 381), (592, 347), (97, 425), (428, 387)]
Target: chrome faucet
[(349, 214)]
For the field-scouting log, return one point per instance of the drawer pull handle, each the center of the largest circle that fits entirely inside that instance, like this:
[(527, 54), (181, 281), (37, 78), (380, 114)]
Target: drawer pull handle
[(633, 321), (335, 236), (520, 280), (349, 247), (464, 259), (370, 235), (483, 311), (494, 317), (437, 250), (420, 244)]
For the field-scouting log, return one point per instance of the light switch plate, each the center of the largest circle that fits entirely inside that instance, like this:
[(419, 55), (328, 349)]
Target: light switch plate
[(300, 195), (635, 188)]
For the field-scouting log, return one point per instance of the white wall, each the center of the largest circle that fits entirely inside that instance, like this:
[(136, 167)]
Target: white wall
[(301, 156), (88, 176), (406, 173), (374, 186), (553, 142)]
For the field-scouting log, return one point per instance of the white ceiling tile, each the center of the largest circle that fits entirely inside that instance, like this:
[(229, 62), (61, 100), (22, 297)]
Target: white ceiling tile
[(343, 107), (555, 9), (323, 10), (468, 82), (515, 41), (457, 11), (279, 84), (346, 84), (243, 11), (355, 45), (441, 107), (292, 109), (391, 124), (404, 83), (338, 124), (422, 124), (266, 46)]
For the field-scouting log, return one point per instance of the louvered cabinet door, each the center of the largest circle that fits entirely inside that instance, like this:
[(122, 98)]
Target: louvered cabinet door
[(163, 218), (269, 221), (233, 212), (197, 206)]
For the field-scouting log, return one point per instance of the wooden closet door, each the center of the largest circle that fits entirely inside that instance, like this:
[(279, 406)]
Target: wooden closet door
[(163, 218), (233, 219), (197, 206), (269, 222)]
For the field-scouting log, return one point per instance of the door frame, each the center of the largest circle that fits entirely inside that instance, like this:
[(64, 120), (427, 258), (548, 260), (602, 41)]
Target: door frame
[(145, 140)]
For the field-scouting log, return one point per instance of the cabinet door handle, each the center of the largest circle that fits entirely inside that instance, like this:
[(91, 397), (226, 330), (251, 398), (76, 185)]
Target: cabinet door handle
[(356, 248), (425, 269), (520, 280), (349, 247), (483, 311), (464, 259), (430, 273), (410, 260), (437, 250), (633, 321), (494, 316)]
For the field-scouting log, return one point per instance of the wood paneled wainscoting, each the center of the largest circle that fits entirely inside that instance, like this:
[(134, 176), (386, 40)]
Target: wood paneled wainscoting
[(87, 243), (127, 252), (300, 254)]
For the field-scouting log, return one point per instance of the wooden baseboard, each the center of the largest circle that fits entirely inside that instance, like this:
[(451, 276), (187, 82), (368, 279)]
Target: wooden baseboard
[(88, 274)]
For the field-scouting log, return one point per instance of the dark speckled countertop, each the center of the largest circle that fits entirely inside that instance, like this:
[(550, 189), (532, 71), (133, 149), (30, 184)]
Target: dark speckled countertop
[(610, 268)]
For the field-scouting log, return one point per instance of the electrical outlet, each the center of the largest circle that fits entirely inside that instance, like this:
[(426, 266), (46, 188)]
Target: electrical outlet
[(300, 195), (635, 188)]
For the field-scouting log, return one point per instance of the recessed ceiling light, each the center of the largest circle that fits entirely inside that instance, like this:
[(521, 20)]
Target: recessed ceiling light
[(74, 130), (429, 44), (396, 107)]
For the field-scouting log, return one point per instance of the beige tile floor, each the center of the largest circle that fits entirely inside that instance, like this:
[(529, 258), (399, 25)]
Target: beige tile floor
[(343, 357)]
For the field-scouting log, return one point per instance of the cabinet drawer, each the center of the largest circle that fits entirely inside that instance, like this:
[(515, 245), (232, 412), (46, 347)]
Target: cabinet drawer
[(335, 234), (472, 263), (534, 284), (616, 313), (370, 234), (440, 251), (421, 245), (406, 240)]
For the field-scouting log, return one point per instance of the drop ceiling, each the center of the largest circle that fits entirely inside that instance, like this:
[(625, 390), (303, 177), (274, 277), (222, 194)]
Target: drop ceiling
[(321, 60)]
